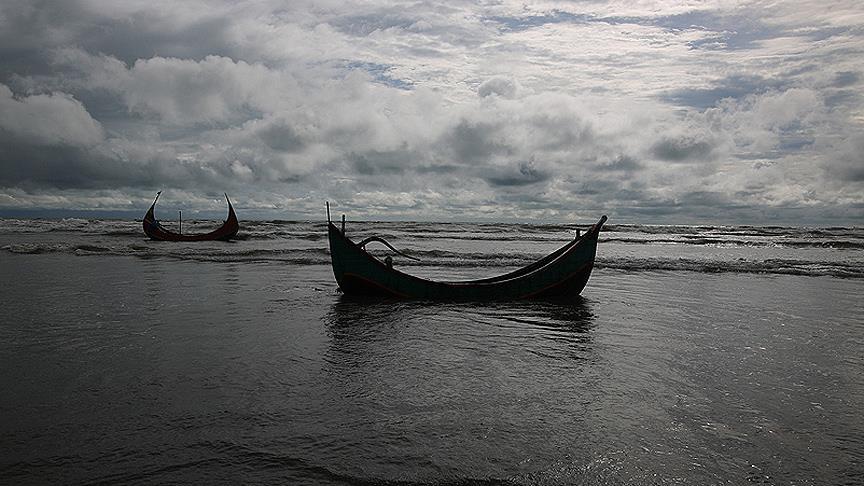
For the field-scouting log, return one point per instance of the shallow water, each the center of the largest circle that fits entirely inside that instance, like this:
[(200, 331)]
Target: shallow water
[(470, 249), (149, 363)]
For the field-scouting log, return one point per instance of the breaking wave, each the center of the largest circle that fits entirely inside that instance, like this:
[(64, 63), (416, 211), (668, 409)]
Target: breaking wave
[(720, 236), (835, 251), (770, 266), (446, 258)]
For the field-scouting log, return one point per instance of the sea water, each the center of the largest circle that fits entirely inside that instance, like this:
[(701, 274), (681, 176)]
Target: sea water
[(695, 355)]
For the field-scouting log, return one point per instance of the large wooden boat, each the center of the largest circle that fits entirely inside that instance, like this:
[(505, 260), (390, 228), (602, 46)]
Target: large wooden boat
[(561, 274), (155, 231)]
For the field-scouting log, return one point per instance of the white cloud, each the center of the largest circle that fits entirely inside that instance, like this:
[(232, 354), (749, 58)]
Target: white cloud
[(181, 91), (47, 119), (437, 108)]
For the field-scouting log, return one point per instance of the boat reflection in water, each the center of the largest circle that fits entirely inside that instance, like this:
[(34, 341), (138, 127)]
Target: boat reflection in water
[(389, 333), (350, 312)]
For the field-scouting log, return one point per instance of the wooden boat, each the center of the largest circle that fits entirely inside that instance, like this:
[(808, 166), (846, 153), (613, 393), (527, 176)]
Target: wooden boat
[(155, 231), (561, 274)]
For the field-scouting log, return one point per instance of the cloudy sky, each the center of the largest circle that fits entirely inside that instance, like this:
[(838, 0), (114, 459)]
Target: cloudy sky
[(648, 111)]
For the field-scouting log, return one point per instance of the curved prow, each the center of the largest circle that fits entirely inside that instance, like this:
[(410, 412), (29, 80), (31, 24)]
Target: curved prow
[(600, 223), (594, 230), (150, 217), (231, 215)]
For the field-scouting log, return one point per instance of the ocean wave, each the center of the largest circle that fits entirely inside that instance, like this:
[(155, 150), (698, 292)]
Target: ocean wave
[(744, 235), (448, 259), (710, 241), (768, 266), (299, 255)]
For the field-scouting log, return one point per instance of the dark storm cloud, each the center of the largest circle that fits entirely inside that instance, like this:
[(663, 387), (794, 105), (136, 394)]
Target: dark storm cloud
[(682, 149), (846, 78), (64, 167), (51, 166), (144, 35), (282, 137), (846, 90), (843, 97), (596, 187), (35, 25), (442, 169), (560, 130), (29, 28), (475, 141), (51, 141), (711, 199), (376, 162), (29, 24), (73, 167), (848, 163), (521, 174)]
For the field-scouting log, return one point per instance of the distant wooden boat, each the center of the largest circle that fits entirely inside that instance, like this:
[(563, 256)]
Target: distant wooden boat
[(155, 231), (561, 274)]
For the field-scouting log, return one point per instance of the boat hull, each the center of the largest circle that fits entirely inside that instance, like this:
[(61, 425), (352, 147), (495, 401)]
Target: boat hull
[(155, 231), (562, 274)]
